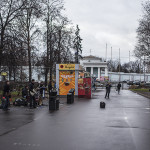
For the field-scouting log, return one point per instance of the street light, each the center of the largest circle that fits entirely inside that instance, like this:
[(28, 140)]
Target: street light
[(145, 60)]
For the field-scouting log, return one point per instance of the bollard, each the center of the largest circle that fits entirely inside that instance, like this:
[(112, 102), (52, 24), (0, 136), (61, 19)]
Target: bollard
[(102, 104)]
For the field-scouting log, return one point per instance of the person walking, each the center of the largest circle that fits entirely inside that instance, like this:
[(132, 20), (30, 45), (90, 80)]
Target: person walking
[(42, 93), (118, 87), (94, 86), (108, 88), (32, 94), (6, 96)]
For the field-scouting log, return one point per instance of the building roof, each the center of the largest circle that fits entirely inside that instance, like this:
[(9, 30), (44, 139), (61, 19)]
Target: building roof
[(92, 57), (91, 63)]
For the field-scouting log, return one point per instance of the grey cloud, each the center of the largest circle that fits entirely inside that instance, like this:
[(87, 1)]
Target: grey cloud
[(106, 21)]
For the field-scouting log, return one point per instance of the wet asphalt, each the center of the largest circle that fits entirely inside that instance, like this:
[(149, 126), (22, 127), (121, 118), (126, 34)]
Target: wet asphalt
[(123, 125)]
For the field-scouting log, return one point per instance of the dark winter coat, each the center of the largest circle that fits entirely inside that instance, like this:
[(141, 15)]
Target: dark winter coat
[(24, 92), (6, 90), (108, 87), (31, 87), (119, 86)]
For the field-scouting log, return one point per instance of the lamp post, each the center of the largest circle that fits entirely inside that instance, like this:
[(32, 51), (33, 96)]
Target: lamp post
[(111, 59), (129, 66), (119, 64), (140, 70), (144, 68), (106, 53), (144, 51)]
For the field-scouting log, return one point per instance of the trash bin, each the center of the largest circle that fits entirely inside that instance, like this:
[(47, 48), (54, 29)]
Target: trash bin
[(53, 93), (52, 105), (69, 98), (72, 92), (57, 104), (52, 100)]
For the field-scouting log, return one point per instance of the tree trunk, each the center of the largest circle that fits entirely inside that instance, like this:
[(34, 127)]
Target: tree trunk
[(1, 48), (10, 73), (21, 73), (51, 62), (29, 57), (14, 70), (28, 45), (59, 46), (47, 57)]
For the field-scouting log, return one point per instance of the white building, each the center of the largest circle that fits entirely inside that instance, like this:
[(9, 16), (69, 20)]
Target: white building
[(98, 68), (94, 65)]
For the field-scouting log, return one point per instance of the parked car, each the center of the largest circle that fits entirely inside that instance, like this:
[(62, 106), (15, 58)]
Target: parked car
[(124, 81), (136, 82), (147, 85), (98, 84), (143, 81), (130, 82)]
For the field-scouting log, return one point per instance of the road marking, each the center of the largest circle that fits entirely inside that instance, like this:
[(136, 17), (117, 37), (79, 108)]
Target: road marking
[(23, 144)]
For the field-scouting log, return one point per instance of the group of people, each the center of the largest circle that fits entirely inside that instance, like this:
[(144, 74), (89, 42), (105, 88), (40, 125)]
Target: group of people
[(32, 93), (28, 93), (108, 89)]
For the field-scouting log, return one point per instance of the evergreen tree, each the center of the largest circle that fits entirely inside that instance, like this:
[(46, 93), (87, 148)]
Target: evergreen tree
[(77, 45)]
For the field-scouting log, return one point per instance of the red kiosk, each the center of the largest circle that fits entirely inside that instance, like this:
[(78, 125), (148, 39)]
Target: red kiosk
[(84, 86)]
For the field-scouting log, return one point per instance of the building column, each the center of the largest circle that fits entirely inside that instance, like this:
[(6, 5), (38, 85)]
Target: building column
[(106, 72), (91, 71), (86, 69), (99, 73)]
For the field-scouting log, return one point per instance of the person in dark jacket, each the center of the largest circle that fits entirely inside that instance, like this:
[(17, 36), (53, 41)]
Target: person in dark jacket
[(6, 95), (25, 92), (108, 88), (50, 87), (42, 92), (118, 87), (32, 94)]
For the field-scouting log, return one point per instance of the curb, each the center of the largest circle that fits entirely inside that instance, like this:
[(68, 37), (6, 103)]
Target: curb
[(141, 94)]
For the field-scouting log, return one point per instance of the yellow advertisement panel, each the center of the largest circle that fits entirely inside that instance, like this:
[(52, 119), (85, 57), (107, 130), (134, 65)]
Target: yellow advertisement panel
[(66, 81), (3, 73), (66, 66)]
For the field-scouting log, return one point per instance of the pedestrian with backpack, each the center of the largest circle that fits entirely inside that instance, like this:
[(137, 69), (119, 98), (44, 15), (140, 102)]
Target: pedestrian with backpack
[(6, 96), (108, 88)]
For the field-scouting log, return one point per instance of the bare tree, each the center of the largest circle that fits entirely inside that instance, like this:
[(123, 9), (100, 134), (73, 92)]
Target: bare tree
[(9, 10), (142, 47), (57, 35), (28, 30), (130, 67), (19, 30)]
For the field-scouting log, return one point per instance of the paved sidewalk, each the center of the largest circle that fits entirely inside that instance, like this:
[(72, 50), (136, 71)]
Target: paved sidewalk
[(123, 125)]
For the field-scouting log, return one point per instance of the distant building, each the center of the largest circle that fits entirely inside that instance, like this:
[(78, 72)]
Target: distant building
[(94, 65)]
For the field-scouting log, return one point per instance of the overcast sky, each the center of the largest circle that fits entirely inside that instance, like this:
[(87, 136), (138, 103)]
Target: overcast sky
[(106, 21)]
